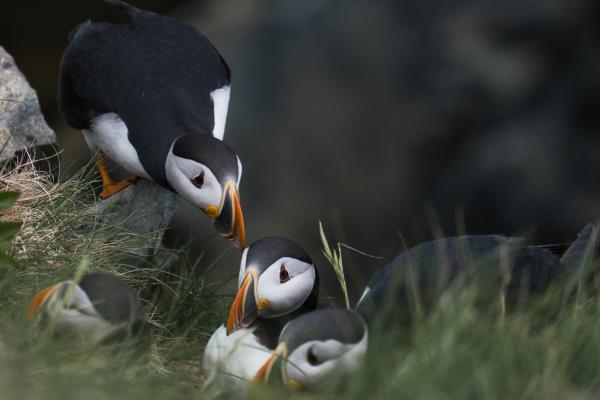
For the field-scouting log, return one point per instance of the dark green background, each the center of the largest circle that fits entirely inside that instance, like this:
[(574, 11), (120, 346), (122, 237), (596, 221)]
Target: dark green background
[(366, 113)]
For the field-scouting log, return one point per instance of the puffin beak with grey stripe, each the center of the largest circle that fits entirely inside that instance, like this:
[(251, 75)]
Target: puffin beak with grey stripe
[(100, 308), (152, 95)]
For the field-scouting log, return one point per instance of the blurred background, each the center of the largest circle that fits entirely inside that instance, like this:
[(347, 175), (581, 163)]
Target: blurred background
[(383, 119)]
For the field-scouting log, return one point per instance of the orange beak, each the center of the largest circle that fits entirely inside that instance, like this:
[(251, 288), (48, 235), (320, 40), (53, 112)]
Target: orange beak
[(264, 373), (244, 308), (39, 299), (230, 222)]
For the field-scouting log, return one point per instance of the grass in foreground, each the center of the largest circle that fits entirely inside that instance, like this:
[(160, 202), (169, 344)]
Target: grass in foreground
[(549, 348)]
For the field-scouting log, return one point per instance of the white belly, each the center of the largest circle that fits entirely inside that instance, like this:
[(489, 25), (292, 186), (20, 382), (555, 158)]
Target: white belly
[(235, 358), (109, 134)]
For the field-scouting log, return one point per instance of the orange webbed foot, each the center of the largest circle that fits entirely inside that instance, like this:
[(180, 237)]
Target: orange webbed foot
[(112, 188)]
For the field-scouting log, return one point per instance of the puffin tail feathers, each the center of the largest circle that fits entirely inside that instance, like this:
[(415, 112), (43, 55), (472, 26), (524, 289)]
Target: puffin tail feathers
[(124, 6)]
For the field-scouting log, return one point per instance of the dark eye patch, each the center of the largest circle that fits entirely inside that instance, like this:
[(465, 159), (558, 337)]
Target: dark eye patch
[(284, 275), (312, 357), (199, 180)]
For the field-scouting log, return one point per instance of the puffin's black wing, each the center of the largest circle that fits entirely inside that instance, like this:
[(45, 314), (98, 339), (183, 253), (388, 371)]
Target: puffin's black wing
[(113, 298), (429, 268), (155, 73)]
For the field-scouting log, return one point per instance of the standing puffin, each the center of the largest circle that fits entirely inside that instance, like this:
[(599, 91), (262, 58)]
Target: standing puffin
[(100, 308), (278, 281), (152, 95)]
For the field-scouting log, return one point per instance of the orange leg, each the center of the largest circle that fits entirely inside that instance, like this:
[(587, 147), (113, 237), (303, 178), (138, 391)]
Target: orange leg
[(108, 186)]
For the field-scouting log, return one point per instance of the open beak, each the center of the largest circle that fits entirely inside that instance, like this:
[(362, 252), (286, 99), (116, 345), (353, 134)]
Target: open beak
[(230, 221), (244, 308), (39, 299), (264, 373)]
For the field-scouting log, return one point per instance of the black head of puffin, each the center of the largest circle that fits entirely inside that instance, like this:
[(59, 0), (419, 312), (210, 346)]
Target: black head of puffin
[(313, 346), (206, 172), (277, 279), (99, 308)]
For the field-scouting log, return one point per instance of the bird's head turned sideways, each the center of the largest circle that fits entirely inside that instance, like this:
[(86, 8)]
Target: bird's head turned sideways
[(206, 172), (276, 279), (314, 346), (92, 309)]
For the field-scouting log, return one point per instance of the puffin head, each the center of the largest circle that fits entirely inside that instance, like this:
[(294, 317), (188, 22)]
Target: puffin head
[(98, 308), (276, 278), (314, 345), (206, 172)]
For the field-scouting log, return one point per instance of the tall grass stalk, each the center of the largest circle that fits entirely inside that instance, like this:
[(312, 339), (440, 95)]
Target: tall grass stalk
[(334, 256)]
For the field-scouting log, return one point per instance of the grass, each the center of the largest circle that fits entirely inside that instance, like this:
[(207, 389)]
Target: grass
[(547, 348)]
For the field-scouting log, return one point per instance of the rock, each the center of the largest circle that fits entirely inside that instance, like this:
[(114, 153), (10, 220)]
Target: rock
[(144, 209), (22, 124)]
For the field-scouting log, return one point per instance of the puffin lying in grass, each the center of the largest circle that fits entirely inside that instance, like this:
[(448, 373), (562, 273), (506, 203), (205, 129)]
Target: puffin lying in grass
[(277, 282), (317, 343), (152, 95), (100, 308)]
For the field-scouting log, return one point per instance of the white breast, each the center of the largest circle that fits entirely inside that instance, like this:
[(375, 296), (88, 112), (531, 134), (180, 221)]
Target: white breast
[(235, 358), (220, 98), (109, 134)]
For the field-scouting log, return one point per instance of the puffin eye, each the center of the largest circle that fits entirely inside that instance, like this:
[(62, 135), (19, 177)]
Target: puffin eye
[(284, 275), (199, 180), (311, 357)]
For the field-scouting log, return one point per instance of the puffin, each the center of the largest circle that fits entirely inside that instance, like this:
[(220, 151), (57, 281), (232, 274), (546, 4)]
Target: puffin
[(99, 309), (315, 344), (277, 282), (503, 263), (152, 95)]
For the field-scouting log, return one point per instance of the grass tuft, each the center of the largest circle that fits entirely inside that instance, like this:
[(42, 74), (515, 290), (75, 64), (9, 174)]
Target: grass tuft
[(460, 347)]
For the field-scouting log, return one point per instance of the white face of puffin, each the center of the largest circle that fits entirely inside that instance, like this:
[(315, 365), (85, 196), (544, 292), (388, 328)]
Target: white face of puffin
[(199, 185), (285, 286), (315, 345), (194, 182), (276, 277), (309, 364), (282, 287), (70, 312)]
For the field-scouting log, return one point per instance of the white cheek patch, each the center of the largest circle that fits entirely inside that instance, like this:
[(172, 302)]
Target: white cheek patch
[(76, 315), (288, 296), (180, 172), (338, 356)]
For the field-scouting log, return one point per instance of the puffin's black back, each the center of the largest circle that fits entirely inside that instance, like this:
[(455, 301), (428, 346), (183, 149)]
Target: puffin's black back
[(154, 72), (431, 267), (112, 297)]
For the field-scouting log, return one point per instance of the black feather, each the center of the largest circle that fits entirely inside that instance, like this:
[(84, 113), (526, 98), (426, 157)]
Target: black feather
[(154, 72), (124, 6)]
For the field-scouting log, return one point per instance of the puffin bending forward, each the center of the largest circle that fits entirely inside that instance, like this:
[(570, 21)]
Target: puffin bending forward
[(152, 95), (278, 281), (101, 308)]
